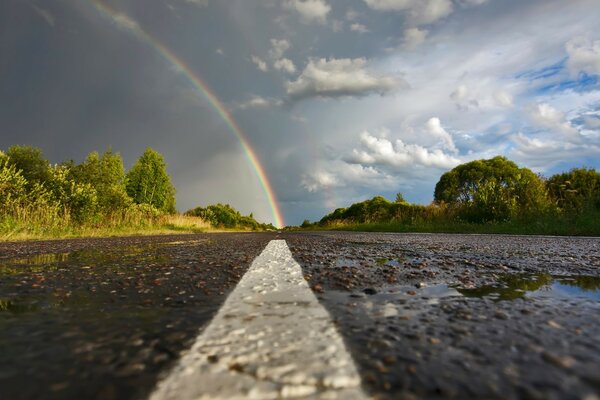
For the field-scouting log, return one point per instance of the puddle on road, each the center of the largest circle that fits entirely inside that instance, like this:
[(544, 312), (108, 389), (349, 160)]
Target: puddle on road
[(518, 286), (408, 301)]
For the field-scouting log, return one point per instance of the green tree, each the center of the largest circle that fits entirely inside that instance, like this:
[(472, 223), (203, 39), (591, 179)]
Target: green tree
[(400, 198), (105, 173), (576, 190), (492, 190), (31, 162), (149, 183)]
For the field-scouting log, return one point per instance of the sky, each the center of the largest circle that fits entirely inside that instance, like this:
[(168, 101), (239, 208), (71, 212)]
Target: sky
[(338, 100)]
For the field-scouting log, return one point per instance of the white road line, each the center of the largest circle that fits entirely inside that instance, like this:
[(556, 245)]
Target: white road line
[(271, 339)]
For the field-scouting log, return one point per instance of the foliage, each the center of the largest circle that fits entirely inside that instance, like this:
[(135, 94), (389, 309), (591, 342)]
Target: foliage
[(492, 190), (379, 209), (105, 173), (224, 216), (575, 190), (31, 162), (149, 183), (76, 199), (485, 196), (400, 198)]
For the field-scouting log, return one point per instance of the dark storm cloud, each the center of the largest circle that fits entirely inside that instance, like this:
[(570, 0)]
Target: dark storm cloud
[(73, 81)]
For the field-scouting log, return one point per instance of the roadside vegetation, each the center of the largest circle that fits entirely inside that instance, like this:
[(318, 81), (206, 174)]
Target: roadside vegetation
[(225, 216), (485, 196), (95, 198)]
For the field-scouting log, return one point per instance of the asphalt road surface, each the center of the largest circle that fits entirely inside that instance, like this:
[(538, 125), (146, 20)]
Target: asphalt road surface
[(415, 316)]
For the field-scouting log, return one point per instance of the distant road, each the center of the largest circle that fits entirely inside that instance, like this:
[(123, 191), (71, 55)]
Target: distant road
[(415, 316)]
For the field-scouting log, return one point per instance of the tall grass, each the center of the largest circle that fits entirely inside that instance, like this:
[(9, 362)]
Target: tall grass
[(586, 223)]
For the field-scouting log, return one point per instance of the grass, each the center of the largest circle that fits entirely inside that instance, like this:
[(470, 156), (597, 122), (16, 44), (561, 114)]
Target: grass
[(585, 224), (163, 225)]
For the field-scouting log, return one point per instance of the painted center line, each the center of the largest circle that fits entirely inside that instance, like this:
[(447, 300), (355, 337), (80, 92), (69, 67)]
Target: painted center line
[(271, 339)]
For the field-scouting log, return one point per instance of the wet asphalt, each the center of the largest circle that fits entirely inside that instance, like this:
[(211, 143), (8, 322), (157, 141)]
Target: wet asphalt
[(423, 316)]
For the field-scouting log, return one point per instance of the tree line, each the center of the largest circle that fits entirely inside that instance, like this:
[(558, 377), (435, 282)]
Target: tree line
[(36, 195), (488, 191), (97, 191)]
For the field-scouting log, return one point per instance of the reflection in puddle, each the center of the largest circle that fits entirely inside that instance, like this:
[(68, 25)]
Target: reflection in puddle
[(518, 286), (408, 301), (395, 301)]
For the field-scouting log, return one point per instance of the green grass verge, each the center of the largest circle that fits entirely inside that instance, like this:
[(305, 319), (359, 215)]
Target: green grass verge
[(586, 224)]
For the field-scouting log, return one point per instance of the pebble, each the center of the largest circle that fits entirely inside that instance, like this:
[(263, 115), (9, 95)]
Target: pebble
[(565, 362)]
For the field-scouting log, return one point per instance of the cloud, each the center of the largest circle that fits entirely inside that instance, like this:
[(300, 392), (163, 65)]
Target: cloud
[(258, 102), (260, 64), (310, 10), (352, 15), (483, 98), (418, 11), (199, 3), (360, 28), (278, 47), (413, 37), (338, 78), (435, 129), (124, 22), (337, 25), (220, 51), (471, 3), (339, 174), (540, 154), (545, 116), (379, 151), (285, 64), (49, 18), (584, 56)]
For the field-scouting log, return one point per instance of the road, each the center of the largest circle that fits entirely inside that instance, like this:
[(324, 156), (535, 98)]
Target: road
[(417, 315)]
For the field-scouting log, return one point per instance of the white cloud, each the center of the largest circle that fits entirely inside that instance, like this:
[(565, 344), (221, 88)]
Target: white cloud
[(584, 56), (413, 37), (123, 21), (310, 10), (339, 77), (340, 174), (260, 64), (545, 116), (482, 98), (435, 129), (286, 65), (418, 11), (471, 3), (503, 98), (360, 28), (220, 52), (542, 153), (381, 151), (278, 48), (258, 102)]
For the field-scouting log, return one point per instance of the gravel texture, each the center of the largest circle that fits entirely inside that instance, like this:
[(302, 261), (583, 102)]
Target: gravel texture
[(429, 316), (423, 316), (101, 318)]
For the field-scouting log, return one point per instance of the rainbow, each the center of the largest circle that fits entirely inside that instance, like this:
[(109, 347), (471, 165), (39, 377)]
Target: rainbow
[(132, 26)]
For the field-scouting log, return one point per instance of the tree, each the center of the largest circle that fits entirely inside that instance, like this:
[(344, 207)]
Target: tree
[(106, 174), (576, 190), (31, 162), (400, 198), (492, 190), (149, 183)]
